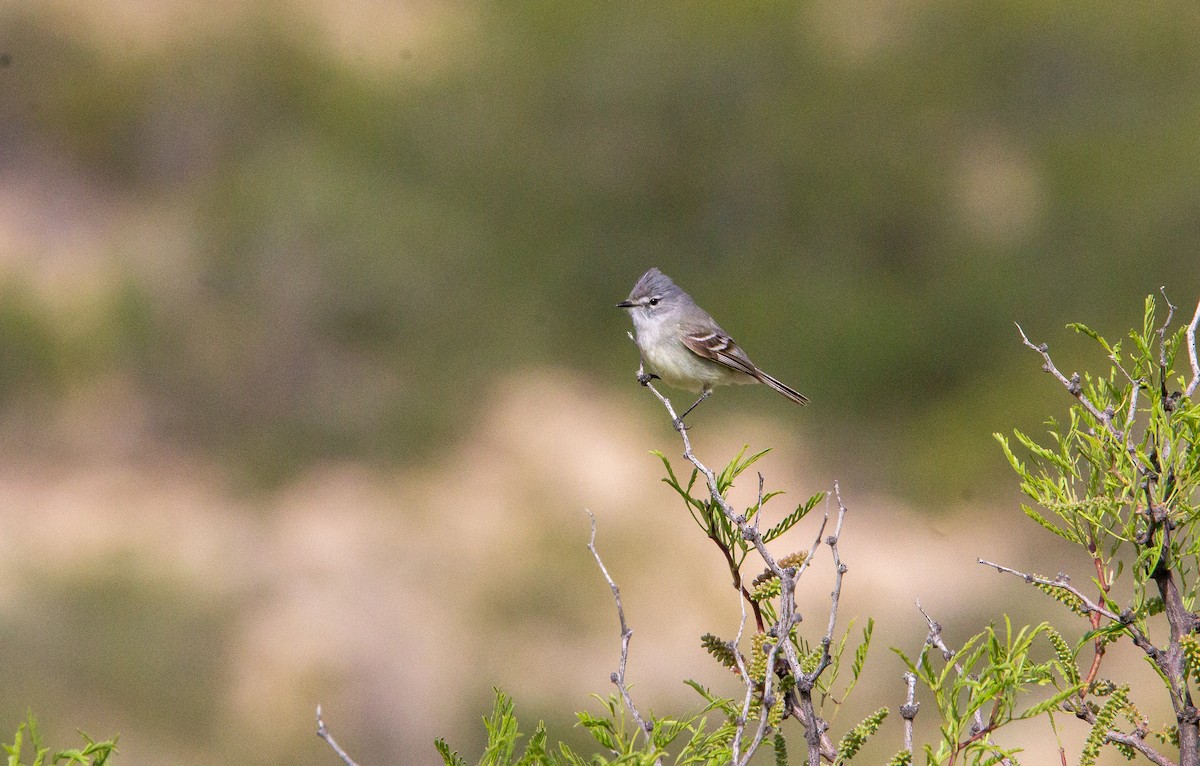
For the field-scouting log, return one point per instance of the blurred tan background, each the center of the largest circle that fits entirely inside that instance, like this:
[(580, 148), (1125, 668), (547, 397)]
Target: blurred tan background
[(309, 365)]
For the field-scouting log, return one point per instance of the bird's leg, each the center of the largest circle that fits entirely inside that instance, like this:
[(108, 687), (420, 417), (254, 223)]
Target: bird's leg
[(703, 395)]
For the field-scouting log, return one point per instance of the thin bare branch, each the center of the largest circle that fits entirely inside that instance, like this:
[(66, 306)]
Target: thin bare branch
[(840, 570), (935, 639), (908, 711), (323, 733), (1191, 342), (740, 729), (1136, 740), (618, 678), (1162, 330), (764, 709), (1073, 386)]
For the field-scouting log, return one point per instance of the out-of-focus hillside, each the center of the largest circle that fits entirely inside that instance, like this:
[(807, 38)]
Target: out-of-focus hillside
[(287, 252), (309, 364)]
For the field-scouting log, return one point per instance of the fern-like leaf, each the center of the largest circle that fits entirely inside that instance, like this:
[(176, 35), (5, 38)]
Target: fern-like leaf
[(793, 518)]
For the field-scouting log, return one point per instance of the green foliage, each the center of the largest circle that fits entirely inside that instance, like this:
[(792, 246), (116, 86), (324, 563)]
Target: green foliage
[(448, 757), (708, 515), (621, 741), (1120, 479), (91, 754), (985, 681), (1098, 476)]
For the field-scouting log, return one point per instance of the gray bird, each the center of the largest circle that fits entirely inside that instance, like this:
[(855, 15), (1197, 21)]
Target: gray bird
[(684, 346)]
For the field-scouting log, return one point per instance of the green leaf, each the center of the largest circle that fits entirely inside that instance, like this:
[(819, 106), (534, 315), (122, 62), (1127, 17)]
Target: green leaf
[(1049, 525), (502, 732), (448, 757), (794, 517), (860, 657), (535, 751)]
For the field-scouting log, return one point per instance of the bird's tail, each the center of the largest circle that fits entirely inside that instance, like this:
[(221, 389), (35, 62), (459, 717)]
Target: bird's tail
[(786, 390)]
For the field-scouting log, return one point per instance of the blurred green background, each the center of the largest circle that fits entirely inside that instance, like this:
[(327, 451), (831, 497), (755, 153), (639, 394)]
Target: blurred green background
[(276, 279)]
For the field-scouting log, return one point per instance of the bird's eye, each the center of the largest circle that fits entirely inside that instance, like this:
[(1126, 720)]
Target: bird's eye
[(654, 301)]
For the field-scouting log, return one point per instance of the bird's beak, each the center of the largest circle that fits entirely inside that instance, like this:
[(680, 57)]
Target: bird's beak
[(626, 305)]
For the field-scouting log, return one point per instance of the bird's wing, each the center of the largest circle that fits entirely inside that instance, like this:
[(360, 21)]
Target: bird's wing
[(719, 347)]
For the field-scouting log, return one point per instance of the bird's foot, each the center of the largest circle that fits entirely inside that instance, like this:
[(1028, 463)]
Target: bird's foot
[(644, 377)]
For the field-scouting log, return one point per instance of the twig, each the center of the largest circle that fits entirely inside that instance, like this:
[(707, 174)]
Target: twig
[(1139, 744), (764, 710), (618, 678), (1072, 384), (1191, 341), (908, 711), (840, 570), (324, 734), (935, 639), (806, 682), (1061, 582), (1137, 740), (737, 657), (1162, 330)]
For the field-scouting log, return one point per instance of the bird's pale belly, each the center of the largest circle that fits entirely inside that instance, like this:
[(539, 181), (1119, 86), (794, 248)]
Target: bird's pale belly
[(680, 368)]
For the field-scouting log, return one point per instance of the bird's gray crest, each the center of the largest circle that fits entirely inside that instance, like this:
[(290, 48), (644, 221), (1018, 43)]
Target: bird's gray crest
[(653, 282)]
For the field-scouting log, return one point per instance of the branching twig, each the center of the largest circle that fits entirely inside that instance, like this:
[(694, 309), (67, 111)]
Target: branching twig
[(840, 570), (324, 734), (935, 639), (618, 678), (806, 682), (1074, 387), (1089, 606)]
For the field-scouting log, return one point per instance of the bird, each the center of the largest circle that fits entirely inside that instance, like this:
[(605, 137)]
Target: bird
[(683, 345)]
